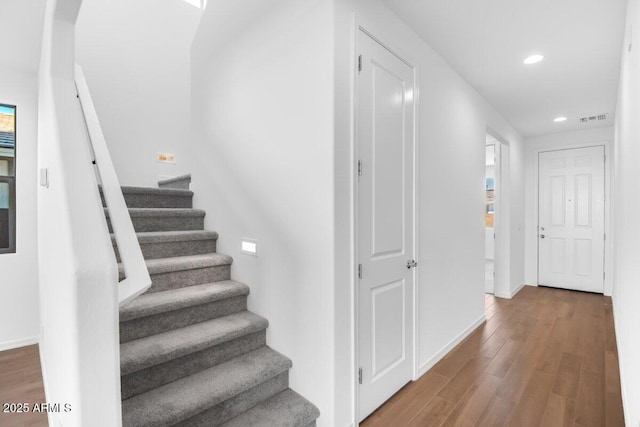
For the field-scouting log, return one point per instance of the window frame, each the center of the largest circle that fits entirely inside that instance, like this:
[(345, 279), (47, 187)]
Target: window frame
[(11, 181)]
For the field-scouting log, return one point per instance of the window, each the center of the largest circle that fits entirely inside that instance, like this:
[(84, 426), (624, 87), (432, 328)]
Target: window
[(7, 178)]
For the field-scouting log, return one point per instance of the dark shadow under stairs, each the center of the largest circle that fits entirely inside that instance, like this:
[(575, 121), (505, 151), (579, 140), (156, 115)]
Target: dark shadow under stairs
[(190, 352)]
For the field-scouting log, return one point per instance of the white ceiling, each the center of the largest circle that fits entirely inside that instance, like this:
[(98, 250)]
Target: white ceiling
[(21, 23), (487, 40)]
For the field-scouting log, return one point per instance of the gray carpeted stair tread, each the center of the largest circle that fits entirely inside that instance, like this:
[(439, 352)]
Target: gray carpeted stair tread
[(286, 409), (181, 181), (155, 349), (175, 299), (162, 212), (163, 218), (157, 191), (191, 354), (140, 197), (181, 263), (163, 244), (182, 399), (172, 236)]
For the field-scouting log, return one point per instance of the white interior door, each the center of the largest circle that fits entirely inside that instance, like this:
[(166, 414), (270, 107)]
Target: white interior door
[(385, 108), (571, 219)]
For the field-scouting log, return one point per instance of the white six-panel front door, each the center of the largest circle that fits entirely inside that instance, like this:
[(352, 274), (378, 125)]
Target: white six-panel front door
[(385, 107), (571, 219)]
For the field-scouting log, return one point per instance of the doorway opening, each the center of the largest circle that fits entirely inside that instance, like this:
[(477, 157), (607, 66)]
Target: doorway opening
[(497, 218), (489, 214)]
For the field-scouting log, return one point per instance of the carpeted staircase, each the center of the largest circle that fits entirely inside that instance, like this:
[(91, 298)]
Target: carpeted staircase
[(191, 354)]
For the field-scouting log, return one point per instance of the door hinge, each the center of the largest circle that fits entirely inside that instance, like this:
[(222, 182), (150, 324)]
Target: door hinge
[(360, 376), (494, 235), (359, 63), (359, 271), (605, 236), (359, 167), (603, 275)]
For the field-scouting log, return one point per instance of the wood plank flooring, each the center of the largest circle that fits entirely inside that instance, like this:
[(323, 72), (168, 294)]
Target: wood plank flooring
[(547, 357), (21, 382)]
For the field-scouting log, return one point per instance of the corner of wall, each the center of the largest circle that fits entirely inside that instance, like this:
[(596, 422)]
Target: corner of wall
[(430, 363)]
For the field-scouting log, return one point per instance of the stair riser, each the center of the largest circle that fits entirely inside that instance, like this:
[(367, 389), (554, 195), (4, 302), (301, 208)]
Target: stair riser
[(173, 249), (223, 412), (158, 323), (164, 223), (156, 376), (286, 409), (136, 200), (179, 185), (181, 279)]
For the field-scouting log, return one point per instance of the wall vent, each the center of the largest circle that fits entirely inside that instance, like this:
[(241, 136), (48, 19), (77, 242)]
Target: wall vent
[(593, 118)]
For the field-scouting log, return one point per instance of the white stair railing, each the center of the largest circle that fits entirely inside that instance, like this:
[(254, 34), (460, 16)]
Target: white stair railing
[(137, 276)]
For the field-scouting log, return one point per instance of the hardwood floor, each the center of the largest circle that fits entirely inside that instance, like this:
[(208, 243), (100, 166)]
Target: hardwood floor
[(21, 382), (547, 357)]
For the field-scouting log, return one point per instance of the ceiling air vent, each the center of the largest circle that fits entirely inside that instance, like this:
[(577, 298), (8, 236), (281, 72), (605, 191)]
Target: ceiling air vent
[(593, 118)]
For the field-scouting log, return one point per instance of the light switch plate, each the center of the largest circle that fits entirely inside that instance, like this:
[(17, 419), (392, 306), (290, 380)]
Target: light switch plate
[(44, 177)]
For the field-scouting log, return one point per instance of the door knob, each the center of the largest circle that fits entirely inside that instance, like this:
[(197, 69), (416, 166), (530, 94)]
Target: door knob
[(542, 236), (411, 264)]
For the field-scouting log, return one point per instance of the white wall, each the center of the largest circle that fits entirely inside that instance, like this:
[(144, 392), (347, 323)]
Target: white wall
[(490, 171), (626, 291), (78, 279), (453, 121), (603, 135), (271, 165), (19, 309), (262, 98), (136, 58)]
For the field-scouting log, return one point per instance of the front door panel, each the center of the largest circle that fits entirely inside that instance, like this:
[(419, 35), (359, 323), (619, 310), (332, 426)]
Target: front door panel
[(571, 219)]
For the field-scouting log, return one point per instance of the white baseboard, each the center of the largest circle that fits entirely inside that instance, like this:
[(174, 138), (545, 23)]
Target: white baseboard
[(10, 345), (625, 402), (518, 289), (512, 294), (53, 418), (422, 369)]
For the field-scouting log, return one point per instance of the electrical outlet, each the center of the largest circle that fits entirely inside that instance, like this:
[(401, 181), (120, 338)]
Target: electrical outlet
[(166, 158)]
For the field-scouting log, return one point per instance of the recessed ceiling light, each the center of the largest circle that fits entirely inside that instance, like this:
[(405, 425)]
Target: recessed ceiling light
[(560, 119), (533, 59)]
